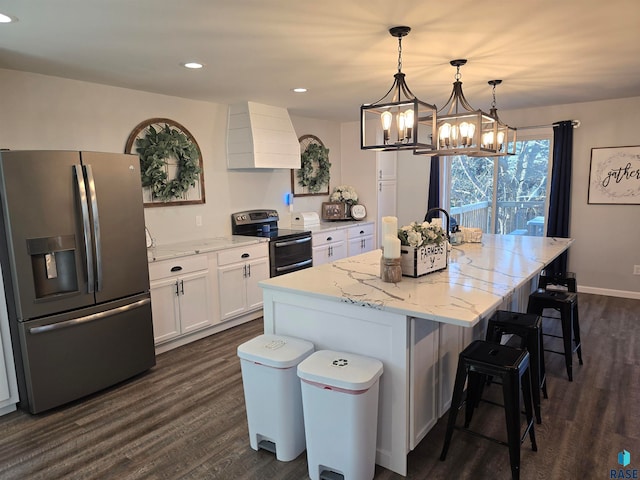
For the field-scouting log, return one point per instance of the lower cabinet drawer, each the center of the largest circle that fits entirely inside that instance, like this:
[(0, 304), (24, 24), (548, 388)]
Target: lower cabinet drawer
[(177, 266), (360, 230), (243, 254)]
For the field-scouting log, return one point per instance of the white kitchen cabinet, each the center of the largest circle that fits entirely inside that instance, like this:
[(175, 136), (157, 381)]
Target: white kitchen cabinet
[(329, 246), (386, 163), (239, 271), (180, 296), (360, 239)]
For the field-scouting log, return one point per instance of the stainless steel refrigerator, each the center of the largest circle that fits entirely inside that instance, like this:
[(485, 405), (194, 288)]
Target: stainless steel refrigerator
[(75, 268)]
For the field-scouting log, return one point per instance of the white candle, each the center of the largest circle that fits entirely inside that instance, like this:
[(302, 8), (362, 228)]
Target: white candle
[(391, 245), (389, 227)]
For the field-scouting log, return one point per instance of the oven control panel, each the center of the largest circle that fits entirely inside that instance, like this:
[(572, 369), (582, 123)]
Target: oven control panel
[(254, 216)]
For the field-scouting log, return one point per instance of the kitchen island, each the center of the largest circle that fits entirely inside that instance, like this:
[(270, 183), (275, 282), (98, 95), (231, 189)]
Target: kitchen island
[(415, 327)]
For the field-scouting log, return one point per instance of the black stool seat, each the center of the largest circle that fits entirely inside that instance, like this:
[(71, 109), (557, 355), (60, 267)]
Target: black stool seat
[(567, 304), (564, 279), (528, 329), (479, 360)]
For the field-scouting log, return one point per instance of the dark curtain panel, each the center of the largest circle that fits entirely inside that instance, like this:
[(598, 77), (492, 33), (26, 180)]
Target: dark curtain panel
[(434, 184), (560, 196)]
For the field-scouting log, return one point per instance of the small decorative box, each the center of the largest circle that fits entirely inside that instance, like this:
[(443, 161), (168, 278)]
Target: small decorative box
[(419, 261)]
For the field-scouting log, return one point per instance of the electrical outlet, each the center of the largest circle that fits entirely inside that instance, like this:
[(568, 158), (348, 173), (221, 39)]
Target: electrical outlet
[(636, 269), (198, 220)]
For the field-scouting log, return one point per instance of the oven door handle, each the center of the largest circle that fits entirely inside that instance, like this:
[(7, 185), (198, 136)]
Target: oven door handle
[(286, 268), (292, 242)]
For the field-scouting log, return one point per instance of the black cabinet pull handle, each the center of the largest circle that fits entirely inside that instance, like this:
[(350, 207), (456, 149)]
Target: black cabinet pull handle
[(245, 255), (177, 268)]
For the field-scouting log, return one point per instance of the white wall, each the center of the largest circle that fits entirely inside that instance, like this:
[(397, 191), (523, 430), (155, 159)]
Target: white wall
[(607, 236), (43, 112)]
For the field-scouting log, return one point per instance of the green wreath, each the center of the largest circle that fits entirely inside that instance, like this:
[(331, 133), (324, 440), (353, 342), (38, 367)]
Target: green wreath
[(314, 169), (154, 149)]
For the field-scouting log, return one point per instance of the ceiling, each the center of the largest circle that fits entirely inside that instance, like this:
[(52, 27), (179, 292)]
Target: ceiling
[(547, 52)]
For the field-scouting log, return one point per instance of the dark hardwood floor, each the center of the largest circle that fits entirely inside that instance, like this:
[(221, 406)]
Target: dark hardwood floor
[(185, 419)]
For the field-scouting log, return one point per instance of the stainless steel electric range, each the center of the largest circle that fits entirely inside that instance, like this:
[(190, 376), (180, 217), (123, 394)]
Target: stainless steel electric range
[(289, 250)]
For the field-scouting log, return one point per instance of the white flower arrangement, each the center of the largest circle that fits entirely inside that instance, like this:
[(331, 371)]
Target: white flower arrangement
[(420, 234), (344, 193)]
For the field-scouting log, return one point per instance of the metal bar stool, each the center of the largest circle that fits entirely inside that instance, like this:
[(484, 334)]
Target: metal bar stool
[(565, 279), (479, 360), (567, 304), (528, 330)]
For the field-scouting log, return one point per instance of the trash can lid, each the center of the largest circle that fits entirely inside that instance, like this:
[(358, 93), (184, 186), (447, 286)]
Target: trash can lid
[(275, 350), (339, 369)]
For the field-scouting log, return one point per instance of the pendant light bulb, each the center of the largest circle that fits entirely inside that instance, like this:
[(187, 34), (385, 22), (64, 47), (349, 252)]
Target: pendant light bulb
[(386, 119), (409, 121), (445, 134), (401, 126)]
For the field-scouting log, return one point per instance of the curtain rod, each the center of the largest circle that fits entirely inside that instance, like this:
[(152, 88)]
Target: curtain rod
[(574, 123)]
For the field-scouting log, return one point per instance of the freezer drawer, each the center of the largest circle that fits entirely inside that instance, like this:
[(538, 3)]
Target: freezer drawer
[(70, 356)]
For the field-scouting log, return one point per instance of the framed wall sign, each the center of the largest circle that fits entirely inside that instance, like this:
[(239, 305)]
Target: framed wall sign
[(334, 211), (614, 176), (170, 163)]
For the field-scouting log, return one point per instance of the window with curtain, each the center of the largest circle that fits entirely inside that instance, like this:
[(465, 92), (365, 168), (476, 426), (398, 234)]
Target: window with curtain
[(504, 195)]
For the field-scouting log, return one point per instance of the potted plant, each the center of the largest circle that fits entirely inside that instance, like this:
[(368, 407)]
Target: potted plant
[(423, 248)]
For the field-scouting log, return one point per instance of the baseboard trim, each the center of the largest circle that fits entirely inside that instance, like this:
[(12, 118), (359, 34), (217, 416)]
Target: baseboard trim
[(609, 292), (218, 327)]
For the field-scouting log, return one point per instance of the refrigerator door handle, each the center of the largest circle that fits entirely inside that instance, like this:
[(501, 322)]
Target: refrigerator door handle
[(86, 227), (96, 226), (89, 318)]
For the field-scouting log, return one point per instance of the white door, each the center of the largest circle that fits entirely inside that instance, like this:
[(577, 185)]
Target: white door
[(164, 308), (231, 279), (386, 162), (194, 301), (258, 270), (360, 245)]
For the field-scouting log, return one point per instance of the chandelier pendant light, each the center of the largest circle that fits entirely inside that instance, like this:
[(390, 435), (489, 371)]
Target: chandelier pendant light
[(398, 121), (502, 140), (462, 130)]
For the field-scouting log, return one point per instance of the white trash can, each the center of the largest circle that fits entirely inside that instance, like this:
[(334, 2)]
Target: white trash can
[(272, 393), (340, 403)]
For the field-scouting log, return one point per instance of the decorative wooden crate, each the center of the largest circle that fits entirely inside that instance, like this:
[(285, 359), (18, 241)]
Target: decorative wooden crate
[(419, 261)]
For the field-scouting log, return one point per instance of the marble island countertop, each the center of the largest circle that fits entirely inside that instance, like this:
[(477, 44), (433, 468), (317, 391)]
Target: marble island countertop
[(478, 278), (194, 247)]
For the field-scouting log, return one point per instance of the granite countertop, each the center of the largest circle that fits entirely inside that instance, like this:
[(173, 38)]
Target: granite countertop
[(478, 278), (182, 249)]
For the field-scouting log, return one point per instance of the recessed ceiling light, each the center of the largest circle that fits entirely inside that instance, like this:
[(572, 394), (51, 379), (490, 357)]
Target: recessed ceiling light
[(193, 65), (6, 18), (299, 90)]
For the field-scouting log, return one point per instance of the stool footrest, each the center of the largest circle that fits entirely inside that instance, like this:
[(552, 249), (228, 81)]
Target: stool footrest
[(495, 440)]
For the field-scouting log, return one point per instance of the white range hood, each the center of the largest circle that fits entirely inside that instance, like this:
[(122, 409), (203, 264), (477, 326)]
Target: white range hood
[(261, 136)]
